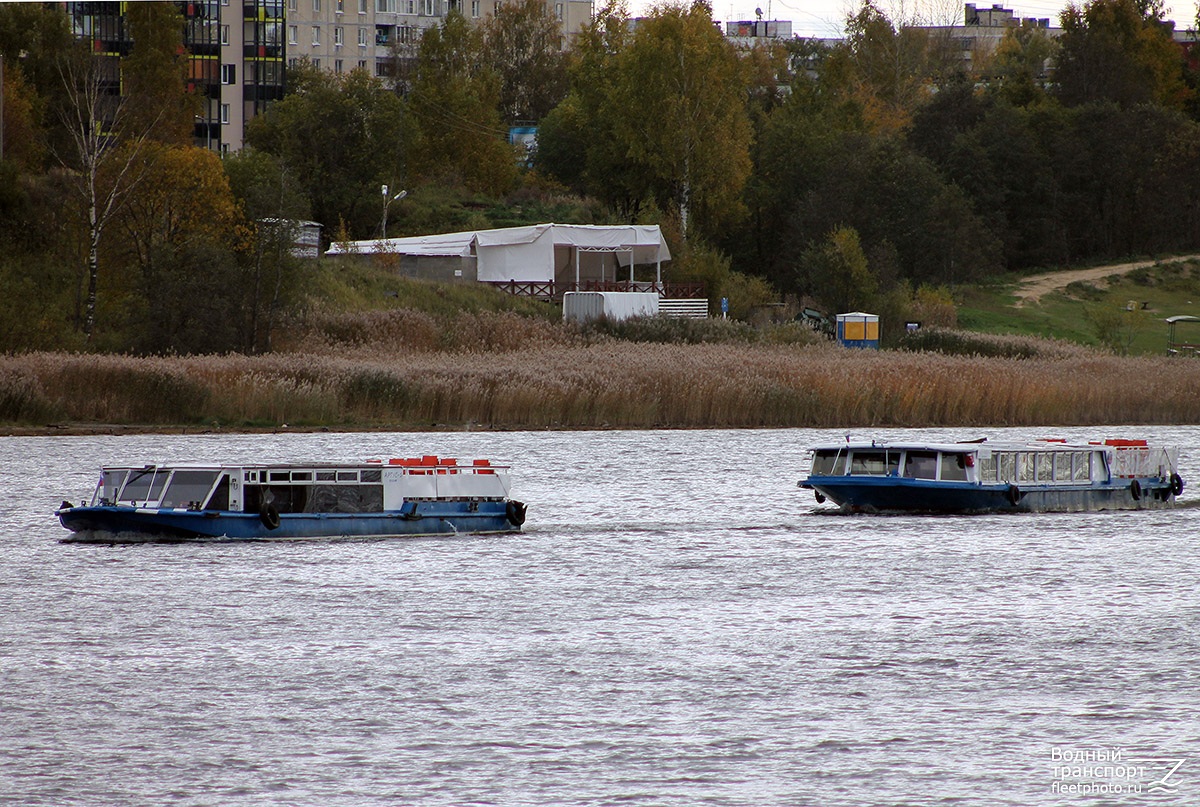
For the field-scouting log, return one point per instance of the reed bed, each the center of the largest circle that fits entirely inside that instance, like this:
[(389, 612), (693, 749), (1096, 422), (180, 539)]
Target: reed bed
[(571, 382)]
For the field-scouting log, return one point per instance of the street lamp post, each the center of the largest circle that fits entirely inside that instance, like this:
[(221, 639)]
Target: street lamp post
[(387, 201)]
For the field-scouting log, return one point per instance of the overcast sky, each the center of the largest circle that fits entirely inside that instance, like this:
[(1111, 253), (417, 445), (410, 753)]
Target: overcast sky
[(825, 18)]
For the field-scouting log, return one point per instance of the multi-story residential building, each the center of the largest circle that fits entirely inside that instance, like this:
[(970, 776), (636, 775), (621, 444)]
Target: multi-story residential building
[(235, 64), (239, 50)]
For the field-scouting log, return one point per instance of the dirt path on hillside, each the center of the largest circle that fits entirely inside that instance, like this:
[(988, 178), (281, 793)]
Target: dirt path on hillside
[(1032, 289)]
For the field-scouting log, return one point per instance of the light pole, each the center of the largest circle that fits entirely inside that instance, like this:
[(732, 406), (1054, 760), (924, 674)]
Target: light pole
[(383, 189)]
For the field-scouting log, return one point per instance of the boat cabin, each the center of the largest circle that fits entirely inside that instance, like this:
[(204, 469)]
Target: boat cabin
[(367, 488), (1017, 464)]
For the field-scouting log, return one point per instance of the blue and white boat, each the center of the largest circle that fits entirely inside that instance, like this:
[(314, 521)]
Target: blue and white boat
[(376, 499), (983, 477)]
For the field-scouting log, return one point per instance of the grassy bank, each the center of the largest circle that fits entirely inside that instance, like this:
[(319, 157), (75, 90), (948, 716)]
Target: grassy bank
[(1120, 313), (576, 382)]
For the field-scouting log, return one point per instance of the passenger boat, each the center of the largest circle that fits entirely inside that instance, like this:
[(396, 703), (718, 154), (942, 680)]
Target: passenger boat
[(376, 499), (982, 476)]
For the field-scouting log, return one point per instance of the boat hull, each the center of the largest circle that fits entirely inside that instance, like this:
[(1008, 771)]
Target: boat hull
[(115, 524), (901, 495)]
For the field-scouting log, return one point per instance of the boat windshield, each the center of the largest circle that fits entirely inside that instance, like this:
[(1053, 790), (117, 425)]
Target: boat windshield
[(829, 463), (144, 485)]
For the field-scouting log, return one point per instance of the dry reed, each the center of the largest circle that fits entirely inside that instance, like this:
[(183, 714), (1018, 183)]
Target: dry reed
[(557, 381)]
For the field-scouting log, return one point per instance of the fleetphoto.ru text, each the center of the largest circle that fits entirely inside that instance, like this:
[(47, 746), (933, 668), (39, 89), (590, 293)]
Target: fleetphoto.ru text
[(1113, 772)]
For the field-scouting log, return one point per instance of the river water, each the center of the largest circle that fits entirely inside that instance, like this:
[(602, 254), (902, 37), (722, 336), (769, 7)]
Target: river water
[(677, 625)]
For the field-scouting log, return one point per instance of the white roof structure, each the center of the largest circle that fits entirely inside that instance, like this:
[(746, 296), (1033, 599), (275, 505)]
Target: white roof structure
[(526, 253)]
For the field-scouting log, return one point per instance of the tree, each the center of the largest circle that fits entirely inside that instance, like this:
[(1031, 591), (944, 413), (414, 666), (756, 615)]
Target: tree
[(1119, 51), (183, 232), (103, 150), (837, 272), (680, 114), (1020, 62), (523, 44), (578, 142), (340, 136), (454, 102), (154, 74), (884, 67), (273, 202)]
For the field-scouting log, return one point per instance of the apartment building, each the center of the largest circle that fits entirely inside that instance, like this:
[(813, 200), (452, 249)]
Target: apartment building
[(239, 50)]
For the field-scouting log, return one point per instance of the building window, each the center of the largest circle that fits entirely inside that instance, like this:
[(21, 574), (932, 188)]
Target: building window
[(224, 113), (385, 6), (316, 6), (475, 8), (316, 64), (337, 36), (558, 11), (291, 5), (229, 74), (411, 5), (316, 34), (428, 10), (337, 65), (341, 6), (362, 6), (293, 34), (362, 37), (362, 64), (224, 34)]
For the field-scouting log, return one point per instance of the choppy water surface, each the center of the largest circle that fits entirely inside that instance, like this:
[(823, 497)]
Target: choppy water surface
[(676, 626)]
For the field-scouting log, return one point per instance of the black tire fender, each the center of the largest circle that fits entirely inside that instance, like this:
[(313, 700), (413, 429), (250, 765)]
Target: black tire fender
[(269, 516), (1135, 490), (515, 512), (1014, 495), (819, 496), (1176, 484)]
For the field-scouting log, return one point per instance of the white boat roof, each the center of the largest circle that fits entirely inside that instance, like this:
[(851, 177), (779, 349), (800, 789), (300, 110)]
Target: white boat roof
[(969, 445)]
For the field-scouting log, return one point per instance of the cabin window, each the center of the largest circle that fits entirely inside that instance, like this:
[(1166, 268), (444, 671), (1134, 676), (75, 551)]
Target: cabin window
[(1025, 467), (954, 467), (188, 488), (1062, 467), (220, 497), (326, 476), (1006, 467), (1081, 467), (829, 463), (920, 464), (371, 475), (345, 499), (874, 463), (987, 468), (1045, 467), (347, 476)]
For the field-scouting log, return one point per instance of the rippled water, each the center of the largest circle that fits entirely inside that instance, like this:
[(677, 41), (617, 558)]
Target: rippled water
[(678, 625)]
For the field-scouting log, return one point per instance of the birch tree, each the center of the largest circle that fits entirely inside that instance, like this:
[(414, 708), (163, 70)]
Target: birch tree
[(106, 167)]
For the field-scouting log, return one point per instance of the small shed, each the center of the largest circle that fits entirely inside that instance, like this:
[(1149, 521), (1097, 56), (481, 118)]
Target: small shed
[(857, 329)]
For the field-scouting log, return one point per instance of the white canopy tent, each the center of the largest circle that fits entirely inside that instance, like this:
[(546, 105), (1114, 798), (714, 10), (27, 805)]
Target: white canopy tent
[(531, 254)]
